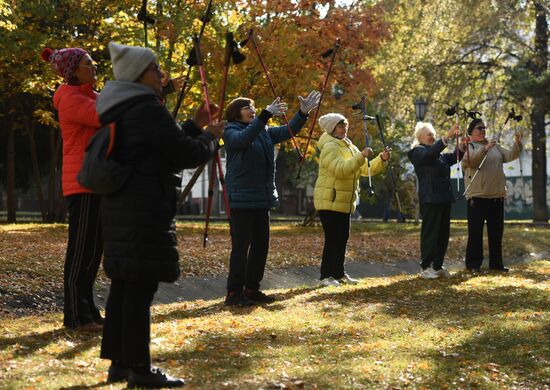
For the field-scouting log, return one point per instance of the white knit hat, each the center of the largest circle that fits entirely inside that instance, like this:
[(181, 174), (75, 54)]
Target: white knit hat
[(129, 62), (329, 121)]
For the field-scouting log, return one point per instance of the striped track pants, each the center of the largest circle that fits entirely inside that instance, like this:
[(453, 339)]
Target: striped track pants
[(84, 251)]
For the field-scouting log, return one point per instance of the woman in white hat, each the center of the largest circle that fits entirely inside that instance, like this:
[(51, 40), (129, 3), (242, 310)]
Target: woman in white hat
[(337, 187), (138, 220)]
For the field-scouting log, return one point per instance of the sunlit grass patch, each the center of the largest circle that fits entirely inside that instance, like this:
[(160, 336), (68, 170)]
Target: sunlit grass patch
[(489, 331)]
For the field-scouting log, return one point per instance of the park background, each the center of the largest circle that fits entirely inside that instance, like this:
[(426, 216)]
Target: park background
[(393, 329), (487, 56)]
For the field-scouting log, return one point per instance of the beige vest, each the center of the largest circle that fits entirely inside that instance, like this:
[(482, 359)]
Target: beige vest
[(490, 181)]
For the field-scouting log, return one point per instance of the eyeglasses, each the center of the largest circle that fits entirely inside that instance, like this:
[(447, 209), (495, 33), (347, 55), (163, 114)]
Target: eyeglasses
[(154, 67), (481, 128)]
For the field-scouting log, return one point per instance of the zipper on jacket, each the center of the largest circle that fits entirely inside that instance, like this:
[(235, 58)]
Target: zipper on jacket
[(354, 183), (354, 191)]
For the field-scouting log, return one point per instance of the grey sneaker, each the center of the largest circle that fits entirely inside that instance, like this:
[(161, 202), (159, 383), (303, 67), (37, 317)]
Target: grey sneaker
[(443, 272), (429, 273), (330, 281), (347, 280)]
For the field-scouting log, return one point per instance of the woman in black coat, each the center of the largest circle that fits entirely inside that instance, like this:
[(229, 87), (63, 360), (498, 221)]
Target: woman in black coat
[(138, 220), (435, 194)]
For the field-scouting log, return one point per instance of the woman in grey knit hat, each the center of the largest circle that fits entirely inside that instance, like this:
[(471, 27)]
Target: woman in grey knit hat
[(138, 220)]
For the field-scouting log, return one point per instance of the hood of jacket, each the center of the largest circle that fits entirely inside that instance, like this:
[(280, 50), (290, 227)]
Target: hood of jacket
[(117, 92)]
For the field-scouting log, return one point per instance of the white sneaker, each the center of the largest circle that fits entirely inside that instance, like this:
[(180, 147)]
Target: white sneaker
[(347, 280), (330, 281), (443, 272), (429, 273)]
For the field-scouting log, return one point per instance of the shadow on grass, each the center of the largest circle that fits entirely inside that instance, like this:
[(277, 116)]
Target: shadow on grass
[(230, 360), (31, 343), (421, 299), (494, 343), (498, 350), (217, 307), (84, 387), (226, 357)]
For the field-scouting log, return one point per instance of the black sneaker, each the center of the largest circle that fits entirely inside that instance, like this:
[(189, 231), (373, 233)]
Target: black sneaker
[(237, 298), (258, 296), (155, 379), (500, 269), (475, 271), (117, 374)]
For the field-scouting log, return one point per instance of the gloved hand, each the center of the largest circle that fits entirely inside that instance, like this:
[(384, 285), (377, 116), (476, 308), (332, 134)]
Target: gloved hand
[(201, 115), (386, 154), (216, 128), (310, 102), (277, 108)]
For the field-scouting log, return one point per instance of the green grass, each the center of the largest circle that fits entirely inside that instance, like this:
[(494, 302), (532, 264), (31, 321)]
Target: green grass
[(485, 332), (488, 332), (32, 254)]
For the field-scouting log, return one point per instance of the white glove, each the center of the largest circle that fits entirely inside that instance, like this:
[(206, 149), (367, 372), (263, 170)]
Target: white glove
[(310, 102), (277, 108)]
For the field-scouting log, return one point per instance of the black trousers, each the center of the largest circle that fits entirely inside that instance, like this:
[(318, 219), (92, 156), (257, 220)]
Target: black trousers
[(434, 234), (249, 247), (84, 251), (479, 211), (336, 227), (127, 326)]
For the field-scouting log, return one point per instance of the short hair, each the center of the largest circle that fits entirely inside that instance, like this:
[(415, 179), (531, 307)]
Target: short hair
[(419, 129), (473, 124), (233, 110)]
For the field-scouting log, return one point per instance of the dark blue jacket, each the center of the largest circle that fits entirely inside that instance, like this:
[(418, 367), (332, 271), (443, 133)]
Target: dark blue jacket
[(250, 160), (433, 170)]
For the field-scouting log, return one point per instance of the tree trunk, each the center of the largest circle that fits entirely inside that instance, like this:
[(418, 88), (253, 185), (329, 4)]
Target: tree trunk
[(157, 35), (36, 170), (540, 208), (53, 173), (11, 204), (538, 113)]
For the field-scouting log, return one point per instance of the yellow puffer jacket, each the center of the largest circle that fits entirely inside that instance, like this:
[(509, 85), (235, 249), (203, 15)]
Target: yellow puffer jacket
[(340, 166)]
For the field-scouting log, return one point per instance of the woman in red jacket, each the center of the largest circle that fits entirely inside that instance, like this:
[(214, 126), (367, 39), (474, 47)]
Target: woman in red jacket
[(74, 101)]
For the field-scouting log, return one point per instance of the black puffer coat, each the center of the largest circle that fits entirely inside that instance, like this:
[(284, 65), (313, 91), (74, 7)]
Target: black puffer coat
[(138, 220), (433, 170)]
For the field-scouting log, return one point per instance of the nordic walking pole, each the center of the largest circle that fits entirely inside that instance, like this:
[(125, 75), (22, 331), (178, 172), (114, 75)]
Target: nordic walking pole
[(146, 19), (332, 53), (517, 119), (231, 54), (362, 105), (191, 60), (510, 115), (266, 72)]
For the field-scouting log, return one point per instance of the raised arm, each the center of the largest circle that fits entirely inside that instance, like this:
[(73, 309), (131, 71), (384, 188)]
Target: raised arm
[(280, 133), (236, 138), (510, 154), (377, 165), (425, 154), (78, 108), (333, 162), (175, 143)]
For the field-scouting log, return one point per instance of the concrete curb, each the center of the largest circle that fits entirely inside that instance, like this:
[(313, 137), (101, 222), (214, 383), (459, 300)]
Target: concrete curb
[(205, 288)]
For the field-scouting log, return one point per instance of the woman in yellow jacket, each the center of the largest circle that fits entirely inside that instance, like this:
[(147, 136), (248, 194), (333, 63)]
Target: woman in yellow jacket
[(337, 187)]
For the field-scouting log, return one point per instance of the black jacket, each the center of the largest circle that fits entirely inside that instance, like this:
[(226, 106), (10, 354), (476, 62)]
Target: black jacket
[(433, 170), (138, 220)]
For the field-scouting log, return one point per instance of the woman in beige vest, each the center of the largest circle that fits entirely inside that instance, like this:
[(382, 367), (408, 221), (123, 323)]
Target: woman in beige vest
[(485, 194)]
